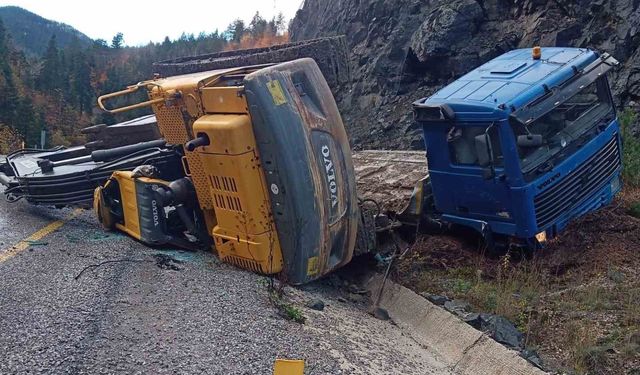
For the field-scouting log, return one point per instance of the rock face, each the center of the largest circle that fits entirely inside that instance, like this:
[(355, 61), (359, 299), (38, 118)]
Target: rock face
[(402, 50)]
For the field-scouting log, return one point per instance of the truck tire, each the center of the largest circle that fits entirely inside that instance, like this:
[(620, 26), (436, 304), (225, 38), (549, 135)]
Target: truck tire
[(331, 55)]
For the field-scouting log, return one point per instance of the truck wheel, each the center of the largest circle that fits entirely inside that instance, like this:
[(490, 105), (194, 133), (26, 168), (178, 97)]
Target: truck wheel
[(331, 55)]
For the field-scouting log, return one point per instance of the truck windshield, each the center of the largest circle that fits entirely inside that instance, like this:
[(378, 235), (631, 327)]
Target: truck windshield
[(569, 123)]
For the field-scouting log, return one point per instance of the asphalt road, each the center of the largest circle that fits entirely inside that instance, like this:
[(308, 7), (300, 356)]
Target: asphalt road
[(168, 312)]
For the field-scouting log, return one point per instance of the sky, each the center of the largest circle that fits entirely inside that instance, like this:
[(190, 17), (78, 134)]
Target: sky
[(145, 21)]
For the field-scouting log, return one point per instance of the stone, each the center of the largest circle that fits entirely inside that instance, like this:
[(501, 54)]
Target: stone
[(533, 357), (357, 298), (435, 299), (380, 313), (501, 330), (472, 319), (316, 304), (456, 306)]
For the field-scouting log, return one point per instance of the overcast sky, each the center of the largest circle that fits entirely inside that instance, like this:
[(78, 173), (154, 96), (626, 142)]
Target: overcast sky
[(144, 21)]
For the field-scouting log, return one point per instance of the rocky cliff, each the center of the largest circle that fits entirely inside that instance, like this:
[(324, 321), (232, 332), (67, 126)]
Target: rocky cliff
[(402, 50)]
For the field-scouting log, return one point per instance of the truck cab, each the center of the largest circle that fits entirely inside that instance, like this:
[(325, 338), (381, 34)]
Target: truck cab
[(522, 145)]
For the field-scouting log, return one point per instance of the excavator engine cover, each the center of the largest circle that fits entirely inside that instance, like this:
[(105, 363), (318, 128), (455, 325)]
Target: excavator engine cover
[(306, 158)]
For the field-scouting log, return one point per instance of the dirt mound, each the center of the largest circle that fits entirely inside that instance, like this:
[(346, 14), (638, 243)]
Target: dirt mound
[(591, 245)]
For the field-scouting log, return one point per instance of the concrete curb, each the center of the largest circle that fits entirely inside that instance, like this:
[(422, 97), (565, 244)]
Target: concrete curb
[(466, 350)]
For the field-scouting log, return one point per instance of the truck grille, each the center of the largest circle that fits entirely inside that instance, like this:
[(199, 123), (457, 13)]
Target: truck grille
[(578, 185)]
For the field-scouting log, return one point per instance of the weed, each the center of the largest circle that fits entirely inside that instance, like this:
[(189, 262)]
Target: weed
[(634, 209), (631, 308), (586, 354), (593, 298), (294, 313), (285, 308), (630, 350), (461, 286), (593, 359), (631, 148)]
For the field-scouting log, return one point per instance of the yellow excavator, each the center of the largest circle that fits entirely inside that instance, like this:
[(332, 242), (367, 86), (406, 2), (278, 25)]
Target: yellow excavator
[(267, 180)]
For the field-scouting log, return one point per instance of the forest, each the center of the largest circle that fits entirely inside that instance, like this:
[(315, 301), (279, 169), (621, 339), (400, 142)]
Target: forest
[(57, 90)]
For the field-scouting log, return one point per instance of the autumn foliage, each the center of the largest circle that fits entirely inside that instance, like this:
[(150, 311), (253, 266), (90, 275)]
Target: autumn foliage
[(9, 139), (57, 92), (265, 40), (260, 33)]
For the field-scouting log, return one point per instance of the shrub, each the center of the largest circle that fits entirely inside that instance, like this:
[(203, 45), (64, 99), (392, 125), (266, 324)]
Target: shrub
[(631, 149)]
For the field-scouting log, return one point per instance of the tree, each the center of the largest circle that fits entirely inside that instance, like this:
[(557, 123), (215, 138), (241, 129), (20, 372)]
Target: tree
[(100, 44), (235, 30), (50, 77), (9, 99), (118, 41), (4, 49), (79, 77), (277, 24), (27, 122), (257, 26)]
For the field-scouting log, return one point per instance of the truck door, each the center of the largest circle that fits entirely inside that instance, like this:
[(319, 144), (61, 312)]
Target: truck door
[(475, 185)]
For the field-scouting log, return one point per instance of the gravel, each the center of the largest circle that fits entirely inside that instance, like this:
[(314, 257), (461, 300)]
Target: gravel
[(170, 312)]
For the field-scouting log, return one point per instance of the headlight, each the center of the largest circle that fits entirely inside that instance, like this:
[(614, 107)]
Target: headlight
[(615, 184)]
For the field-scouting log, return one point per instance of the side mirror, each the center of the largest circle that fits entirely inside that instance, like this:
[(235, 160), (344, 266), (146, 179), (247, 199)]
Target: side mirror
[(483, 151), (529, 140)]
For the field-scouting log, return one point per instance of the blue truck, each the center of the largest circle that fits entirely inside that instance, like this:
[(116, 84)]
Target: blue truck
[(522, 145)]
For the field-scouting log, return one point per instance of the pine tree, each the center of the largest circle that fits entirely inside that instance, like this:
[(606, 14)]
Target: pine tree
[(9, 94), (4, 49), (50, 77), (27, 123), (257, 26), (80, 91), (118, 41), (235, 31)]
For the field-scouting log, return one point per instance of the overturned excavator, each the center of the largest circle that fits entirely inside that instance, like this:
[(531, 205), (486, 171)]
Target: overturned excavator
[(251, 161)]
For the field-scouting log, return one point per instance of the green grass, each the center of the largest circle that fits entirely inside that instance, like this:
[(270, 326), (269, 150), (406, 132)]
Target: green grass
[(294, 313), (631, 149), (279, 300)]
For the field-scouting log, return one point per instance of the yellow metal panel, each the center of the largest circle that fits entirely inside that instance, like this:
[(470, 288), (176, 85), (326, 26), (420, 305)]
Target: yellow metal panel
[(223, 100), (129, 203), (227, 175), (245, 232), (288, 367)]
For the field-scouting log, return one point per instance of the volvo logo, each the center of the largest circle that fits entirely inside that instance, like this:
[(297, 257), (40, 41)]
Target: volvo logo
[(331, 174), (549, 181), (154, 209)]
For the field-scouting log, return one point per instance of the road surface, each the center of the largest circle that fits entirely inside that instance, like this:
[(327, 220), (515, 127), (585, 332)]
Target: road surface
[(152, 311)]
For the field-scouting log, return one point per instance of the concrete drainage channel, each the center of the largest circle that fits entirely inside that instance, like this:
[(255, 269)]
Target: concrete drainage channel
[(464, 349)]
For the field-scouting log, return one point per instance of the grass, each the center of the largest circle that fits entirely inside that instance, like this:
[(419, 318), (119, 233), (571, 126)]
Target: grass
[(631, 150), (293, 313), (527, 295), (285, 308), (511, 292)]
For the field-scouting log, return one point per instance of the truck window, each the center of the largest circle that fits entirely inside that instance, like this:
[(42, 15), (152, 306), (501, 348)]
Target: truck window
[(462, 149), (566, 123)]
